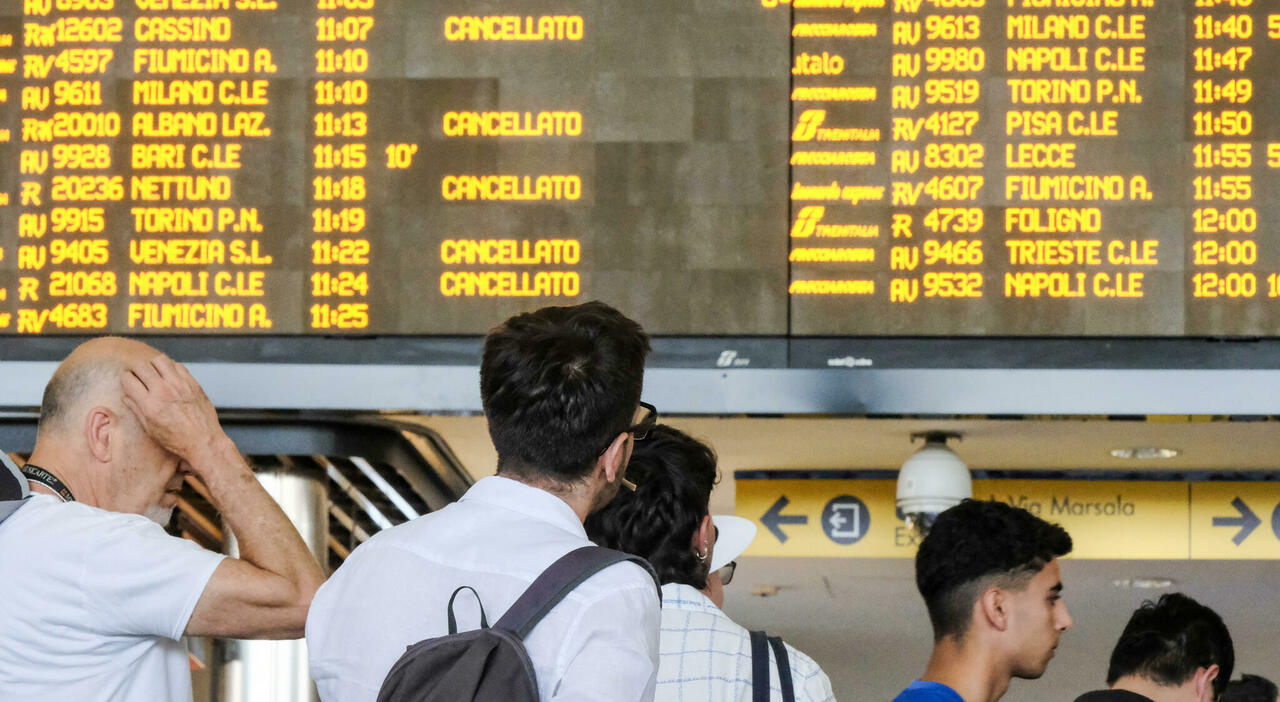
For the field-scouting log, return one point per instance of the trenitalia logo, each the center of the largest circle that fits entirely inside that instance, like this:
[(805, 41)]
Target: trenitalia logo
[(807, 221), (807, 125), (809, 128)]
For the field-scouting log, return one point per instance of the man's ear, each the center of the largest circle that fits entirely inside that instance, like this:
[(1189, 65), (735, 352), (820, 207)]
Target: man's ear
[(1204, 678), (612, 463), (99, 424), (993, 607)]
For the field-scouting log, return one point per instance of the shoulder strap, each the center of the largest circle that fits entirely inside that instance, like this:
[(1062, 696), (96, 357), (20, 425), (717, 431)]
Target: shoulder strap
[(559, 580), (13, 487), (759, 667), (784, 669)]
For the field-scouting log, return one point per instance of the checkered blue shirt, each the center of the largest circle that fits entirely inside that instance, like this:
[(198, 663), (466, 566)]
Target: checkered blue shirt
[(705, 657)]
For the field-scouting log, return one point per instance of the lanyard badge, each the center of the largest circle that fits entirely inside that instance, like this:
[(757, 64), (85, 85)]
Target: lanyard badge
[(36, 474)]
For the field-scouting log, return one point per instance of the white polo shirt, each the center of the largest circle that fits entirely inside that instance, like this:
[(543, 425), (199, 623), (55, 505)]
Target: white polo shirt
[(600, 643), (93, 605)]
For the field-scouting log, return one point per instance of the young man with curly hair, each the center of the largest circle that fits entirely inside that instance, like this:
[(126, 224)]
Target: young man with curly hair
[(990, 580), (705, 656)]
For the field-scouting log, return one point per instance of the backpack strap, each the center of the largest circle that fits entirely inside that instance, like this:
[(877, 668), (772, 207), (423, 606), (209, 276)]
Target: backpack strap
[(784, 669), (759, 667), (559, 580), (453, 622)]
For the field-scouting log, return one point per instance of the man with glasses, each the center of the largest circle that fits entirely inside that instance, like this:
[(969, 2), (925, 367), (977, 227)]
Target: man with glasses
[(705, 655), (732, 536), (561, 393)]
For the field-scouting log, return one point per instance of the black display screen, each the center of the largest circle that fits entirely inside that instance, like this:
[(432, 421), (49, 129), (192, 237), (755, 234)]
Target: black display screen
[(711, 167)]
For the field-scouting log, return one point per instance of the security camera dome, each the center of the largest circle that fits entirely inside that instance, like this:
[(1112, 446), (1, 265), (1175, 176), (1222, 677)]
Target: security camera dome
[(932, 479)]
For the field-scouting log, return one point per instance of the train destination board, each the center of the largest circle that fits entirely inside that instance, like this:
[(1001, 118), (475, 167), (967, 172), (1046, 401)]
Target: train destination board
[(723, 167)]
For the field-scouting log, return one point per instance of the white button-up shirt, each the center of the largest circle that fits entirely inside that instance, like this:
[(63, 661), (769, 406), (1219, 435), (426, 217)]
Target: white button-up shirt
[(599, 643), (706, 656)]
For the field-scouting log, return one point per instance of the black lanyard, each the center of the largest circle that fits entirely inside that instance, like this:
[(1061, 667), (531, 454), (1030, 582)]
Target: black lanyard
[(37, 474)]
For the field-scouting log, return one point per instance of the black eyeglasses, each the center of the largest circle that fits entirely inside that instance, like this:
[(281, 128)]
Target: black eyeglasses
[(726, 572), (646, 418)]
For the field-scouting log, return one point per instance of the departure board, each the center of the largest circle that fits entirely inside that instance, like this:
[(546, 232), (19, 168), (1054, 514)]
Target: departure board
[(1071, 168), (389, 166), (1035, 167)]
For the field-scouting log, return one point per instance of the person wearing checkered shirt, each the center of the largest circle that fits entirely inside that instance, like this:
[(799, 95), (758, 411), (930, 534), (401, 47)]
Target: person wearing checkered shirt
[(704, 656)]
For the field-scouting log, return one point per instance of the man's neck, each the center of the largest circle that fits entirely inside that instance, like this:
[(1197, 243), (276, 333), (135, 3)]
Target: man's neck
[(968, 669), (575, 495), (74, 482)]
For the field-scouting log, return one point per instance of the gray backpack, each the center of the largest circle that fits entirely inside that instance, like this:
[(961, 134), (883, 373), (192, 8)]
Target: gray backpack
[(13, 487), (490, 664)]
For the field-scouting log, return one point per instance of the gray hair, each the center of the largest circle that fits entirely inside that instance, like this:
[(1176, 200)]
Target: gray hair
[(75, 382)]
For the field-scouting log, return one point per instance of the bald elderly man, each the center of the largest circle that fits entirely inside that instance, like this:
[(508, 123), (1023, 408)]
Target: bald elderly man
[(94, 595)]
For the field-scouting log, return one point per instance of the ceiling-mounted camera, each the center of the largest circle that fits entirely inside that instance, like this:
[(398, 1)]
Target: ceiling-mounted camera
[(932, 479)]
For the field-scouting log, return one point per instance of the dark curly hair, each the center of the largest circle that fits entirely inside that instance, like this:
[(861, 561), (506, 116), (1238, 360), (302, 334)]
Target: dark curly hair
[(977, 544), (674, 474), (1166, 641), (558, 385), (1250, 688)]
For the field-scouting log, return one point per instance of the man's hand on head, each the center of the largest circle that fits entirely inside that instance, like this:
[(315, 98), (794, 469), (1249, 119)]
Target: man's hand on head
[(172, 408)]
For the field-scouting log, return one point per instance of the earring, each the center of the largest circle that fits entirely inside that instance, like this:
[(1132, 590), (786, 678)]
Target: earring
[(702, 556)]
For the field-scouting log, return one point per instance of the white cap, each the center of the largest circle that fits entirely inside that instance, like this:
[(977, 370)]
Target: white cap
[(735, 536)]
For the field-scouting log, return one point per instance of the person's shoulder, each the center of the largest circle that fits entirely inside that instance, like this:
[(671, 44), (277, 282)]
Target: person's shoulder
[(1112, 696), (687, 598), (75, 538), (413, 547), (45, 514), (801, 663), (923, 691), (625, 584), (626, 575), (420, 536), (109, 524)]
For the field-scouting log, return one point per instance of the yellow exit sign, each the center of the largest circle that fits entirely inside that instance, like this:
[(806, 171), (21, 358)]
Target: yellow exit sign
[(1106, 519)]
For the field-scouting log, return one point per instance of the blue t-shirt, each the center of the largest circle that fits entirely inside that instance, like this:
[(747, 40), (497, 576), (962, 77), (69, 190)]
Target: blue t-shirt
[(921, 691)]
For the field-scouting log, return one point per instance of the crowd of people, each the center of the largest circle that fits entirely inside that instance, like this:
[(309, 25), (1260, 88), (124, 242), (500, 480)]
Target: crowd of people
[(593, 544)]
